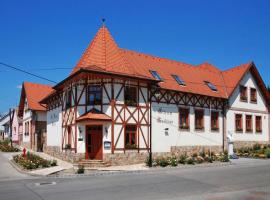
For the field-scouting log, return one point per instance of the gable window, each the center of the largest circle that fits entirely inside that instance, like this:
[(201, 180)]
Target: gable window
[(258, 124), (243, 93), (211, 86), (130, 137), (156, 75), (178, 80), (253, 95), (130, 95), (248, 123), (214, 121), (199, 122), (238, 123), (94, 94), (184, 118), (68, 98)]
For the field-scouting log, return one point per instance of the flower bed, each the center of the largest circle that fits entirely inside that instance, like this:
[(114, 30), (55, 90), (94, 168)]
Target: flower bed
[(32, 161), (190, 160), (257, 151), (6, 147)]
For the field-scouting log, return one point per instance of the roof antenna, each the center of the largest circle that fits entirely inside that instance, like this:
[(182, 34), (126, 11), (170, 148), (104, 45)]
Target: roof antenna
[(103, 21)]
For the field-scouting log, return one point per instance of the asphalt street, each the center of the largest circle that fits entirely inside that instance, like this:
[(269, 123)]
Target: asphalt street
[(245, 179)]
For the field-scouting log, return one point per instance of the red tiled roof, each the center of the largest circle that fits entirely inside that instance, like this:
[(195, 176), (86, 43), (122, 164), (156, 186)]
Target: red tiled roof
[(103, 53), (34, 93), (94, 115)]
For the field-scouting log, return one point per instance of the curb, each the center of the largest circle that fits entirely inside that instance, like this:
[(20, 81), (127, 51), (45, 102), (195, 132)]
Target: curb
[(148, 171)]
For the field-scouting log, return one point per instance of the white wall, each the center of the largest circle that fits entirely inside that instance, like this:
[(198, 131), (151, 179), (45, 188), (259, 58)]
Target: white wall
[(54, 127), (248, 108), (167, 116)]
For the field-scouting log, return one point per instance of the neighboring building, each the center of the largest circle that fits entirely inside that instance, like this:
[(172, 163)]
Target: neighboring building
[(33, 115), (117, 105), (5, 127), (17, 128)]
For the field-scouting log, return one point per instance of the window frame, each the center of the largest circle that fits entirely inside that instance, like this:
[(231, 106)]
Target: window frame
[(249, 130), (178, 79), (156, 75), (256, 129), (216, 114), (201, 114), (243, 95), (94, 92), (253, 95), (238, 130), (131, 102), (185, 111), (131, 133)]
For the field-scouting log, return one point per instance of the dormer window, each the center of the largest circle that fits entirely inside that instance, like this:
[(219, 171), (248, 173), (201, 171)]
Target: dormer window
[(156, 75), (211, 86), (178, 80), (243, 93)]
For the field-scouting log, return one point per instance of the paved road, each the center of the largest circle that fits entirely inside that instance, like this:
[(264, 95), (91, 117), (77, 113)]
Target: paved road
[(245, 180), (7, 172)]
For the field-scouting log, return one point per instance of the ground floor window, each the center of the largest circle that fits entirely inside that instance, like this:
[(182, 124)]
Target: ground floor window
[(258, 124), (248, 123), (68, 145), (238, 123), (130, 137), (199, 122), (214, 121), (184, 118)]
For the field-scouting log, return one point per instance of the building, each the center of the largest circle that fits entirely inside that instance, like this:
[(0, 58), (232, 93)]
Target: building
[(5, 127), (33, 115), (118, 105), (17, 127)]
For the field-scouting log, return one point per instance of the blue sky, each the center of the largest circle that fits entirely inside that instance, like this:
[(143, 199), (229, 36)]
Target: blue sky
[(37, 35)]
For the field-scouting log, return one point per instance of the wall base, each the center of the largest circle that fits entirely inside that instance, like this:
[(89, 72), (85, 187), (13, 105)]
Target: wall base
[(240, 144)]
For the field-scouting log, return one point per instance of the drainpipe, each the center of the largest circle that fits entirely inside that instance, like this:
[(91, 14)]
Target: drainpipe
[(223, 128), (150, 151)]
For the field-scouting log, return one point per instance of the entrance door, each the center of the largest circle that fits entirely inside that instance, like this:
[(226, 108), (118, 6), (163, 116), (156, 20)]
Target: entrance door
[(94, 142)]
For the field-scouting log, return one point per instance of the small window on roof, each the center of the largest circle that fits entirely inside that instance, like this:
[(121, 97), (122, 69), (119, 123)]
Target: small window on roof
[(155, 75), (211, 86), (179, 80)]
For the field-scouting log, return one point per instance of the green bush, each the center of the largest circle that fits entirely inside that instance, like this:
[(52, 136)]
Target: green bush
[(182, 159), (208, 159), (5, 147), (173, 162), (267, 153), (199, 159), (163, 162), (256, 147), (202, 154), (80, 169), (190, 161), (224, 157), (148, 161)]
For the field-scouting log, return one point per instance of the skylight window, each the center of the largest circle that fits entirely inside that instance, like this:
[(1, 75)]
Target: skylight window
[(211, 86), (155, 75), (179, 80)]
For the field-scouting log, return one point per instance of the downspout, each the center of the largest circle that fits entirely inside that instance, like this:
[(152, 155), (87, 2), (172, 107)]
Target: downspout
[(150, 151)]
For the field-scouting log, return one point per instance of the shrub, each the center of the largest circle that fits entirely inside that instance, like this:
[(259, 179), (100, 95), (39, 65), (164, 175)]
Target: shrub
[(224, 157), (80, 169), (199, 159), (190, 161), (194, 155), (208, 159), (267, 153), (163, 162), (173, 162), (7, 148), (256, 147), (53, 163), (202, 154), (182, 159)]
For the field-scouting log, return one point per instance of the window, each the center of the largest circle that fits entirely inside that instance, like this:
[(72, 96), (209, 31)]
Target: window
[(248, 123), (211, 86), (258, 124), (156, 75), (253, 95), (214, 120), (26, 128), (243, 93), (184, 118), (94, 94), (199, 119), (130, 96), (238, 123), (178, 80), (68, 98), (130, 134)]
